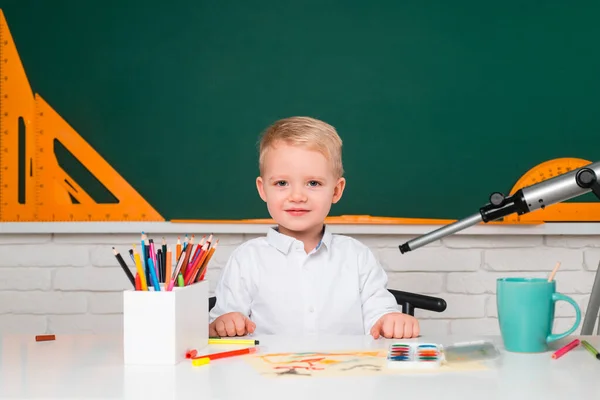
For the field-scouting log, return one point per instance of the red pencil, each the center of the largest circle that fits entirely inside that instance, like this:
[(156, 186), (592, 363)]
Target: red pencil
[(563, 350), (231, 353)]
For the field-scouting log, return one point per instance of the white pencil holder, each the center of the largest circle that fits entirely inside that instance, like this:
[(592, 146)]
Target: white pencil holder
[(159, 327)]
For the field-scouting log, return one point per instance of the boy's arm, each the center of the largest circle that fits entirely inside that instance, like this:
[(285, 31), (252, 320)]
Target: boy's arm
[(376, 299), (232, 290)]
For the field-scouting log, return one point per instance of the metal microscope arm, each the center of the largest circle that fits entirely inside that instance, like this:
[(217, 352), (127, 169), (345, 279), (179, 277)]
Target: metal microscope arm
[(527, 199)]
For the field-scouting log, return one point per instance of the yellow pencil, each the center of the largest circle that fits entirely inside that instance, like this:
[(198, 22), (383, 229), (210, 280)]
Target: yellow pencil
[(231, 341), (140, 270)]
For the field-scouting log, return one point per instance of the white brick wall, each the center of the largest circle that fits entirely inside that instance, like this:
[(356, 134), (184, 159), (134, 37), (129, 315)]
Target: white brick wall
[(71, 283)]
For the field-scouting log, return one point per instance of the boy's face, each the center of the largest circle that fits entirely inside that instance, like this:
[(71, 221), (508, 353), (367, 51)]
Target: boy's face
[(299, 187)]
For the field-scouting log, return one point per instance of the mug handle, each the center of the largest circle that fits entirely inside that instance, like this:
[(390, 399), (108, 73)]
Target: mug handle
[(559, 296)]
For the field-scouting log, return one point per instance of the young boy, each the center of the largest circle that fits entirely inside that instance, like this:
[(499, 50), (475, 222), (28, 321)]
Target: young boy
[(300, 279)]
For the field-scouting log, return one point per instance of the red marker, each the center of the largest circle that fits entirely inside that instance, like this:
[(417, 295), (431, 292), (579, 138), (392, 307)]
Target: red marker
[(191, 353)]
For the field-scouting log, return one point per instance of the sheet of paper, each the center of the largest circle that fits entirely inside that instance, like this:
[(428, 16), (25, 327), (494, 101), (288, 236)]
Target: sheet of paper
[(350, 363)]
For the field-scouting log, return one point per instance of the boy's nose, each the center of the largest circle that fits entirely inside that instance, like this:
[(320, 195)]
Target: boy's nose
[(297, 195)]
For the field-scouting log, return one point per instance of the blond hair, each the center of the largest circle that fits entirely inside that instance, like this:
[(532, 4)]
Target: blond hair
[(307, 132)]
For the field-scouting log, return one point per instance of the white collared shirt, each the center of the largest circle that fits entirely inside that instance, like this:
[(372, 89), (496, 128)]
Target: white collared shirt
[(338, 288)]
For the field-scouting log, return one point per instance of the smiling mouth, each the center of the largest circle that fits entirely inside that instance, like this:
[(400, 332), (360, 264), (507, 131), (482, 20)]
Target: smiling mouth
[(296, 212)]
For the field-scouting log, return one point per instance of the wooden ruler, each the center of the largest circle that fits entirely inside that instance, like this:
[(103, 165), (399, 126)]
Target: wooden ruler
[(33, 186), (561, 212)]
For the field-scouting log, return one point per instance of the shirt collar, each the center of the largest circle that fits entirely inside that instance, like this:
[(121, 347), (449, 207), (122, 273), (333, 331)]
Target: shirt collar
[(327, 237), (283, 243)]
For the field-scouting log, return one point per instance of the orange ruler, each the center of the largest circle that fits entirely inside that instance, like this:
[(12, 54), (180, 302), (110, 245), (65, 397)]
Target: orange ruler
[(33, 186)]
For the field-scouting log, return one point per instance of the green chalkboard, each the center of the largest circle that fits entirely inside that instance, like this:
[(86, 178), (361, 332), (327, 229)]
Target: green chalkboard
[(439, 103)]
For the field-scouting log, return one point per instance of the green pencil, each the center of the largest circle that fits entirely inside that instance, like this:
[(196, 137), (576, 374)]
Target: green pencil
[(591, 349)]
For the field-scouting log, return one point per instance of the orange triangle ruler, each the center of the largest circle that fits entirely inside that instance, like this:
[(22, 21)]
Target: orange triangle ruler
[(33, 186)]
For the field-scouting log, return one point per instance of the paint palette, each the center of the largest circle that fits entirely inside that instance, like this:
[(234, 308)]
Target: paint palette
[(414, 355), (470, 351)]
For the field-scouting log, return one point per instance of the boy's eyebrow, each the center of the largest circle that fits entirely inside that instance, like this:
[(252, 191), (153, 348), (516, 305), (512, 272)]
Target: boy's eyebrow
[(285, 177), (277, 178)]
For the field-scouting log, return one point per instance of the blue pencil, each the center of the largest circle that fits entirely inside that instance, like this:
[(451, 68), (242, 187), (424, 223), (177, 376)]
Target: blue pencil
[(153, 275), (143, 254)]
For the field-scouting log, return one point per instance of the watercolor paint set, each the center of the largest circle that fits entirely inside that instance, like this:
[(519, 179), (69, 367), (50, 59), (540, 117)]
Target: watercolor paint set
[(414, 355)]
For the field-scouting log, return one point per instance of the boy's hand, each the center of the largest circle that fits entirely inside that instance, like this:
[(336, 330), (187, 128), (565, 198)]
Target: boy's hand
[(396, 325), (231, 324)]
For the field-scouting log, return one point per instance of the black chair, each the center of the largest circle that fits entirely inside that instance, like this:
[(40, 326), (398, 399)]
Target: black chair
[(408, 301)]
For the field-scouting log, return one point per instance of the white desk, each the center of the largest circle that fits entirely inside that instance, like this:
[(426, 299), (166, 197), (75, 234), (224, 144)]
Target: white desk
[(91, 367)]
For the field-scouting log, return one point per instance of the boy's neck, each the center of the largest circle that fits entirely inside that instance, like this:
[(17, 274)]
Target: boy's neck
[(310, 238)]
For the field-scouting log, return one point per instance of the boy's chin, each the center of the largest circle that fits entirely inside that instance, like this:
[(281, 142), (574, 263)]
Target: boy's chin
[(299, 226)]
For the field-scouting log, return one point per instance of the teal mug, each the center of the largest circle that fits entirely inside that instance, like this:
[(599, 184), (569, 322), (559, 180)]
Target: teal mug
[(526, 313)]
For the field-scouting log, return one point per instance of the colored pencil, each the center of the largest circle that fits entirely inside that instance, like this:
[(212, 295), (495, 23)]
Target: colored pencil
[(173, 278), (161, 274), (168, 267), (194, 258), (153, 275), (565, 349), (153, 256), (124, 267), (143, 254), (131, 255), (591, 349), (138, 282), (188, 252), (204, 267), (551, 277), (193, 269), (225, 354), (219, 340), (164, 252), (140, 269)]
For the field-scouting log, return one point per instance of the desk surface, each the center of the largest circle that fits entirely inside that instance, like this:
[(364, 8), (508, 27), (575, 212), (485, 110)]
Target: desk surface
[(92, 367)]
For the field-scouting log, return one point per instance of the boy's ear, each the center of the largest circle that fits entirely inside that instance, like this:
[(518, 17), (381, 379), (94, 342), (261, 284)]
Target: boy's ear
[(338, 190), (261, 189)]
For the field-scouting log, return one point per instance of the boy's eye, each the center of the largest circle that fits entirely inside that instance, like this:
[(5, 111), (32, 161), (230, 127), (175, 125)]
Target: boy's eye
[(280, 183), (314, 183)]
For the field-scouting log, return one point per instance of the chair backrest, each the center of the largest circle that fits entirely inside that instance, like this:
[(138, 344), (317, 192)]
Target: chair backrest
[(408, 301)]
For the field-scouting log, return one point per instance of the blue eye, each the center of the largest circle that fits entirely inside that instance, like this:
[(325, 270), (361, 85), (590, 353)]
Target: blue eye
[(314, 183)]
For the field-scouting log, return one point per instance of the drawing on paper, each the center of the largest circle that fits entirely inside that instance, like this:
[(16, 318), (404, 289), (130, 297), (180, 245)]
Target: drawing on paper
[(348, 363), (320, 364)]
